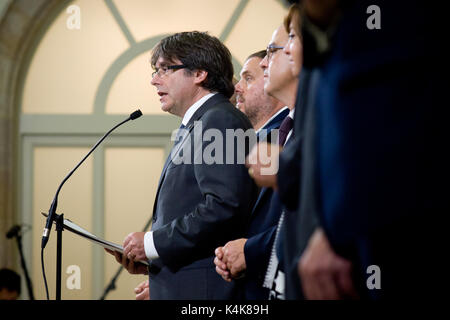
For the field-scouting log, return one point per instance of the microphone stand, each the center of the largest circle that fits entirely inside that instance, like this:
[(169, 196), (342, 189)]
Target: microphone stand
[(112, 282), (24, 266), (59, 219)]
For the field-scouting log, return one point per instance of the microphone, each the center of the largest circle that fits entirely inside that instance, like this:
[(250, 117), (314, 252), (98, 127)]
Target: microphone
[(52, 211), (13, 232), (135, 115)]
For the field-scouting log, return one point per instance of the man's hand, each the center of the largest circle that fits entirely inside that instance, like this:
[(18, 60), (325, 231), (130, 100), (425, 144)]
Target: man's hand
[(234, 258), (324, 275), (221, 266), (263, 164), (142, 291), (131, 266), (133, 246)]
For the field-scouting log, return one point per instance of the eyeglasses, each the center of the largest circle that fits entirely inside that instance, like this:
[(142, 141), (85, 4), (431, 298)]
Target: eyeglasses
[(163, 70), (271, 49)]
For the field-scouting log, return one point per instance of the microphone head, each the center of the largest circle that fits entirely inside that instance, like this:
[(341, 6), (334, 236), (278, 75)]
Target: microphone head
[(135, 114), (14, 231)]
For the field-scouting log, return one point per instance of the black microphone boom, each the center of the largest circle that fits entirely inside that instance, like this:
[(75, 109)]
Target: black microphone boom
[(52, 211)]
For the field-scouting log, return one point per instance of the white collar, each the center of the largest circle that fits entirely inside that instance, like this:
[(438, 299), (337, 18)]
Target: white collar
[(273, 117), (190, 112), (291, 113)]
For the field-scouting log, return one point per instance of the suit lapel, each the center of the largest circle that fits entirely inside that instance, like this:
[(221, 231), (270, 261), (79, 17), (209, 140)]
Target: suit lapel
[(169, 157), (216, 99), (262, 193), (264, 134)]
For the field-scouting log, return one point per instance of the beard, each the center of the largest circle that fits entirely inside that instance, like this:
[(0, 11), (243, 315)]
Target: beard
[(253, 114)]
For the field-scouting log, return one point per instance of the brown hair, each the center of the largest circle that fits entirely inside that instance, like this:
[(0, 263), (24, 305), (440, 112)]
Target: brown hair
[(260, 54), (199, 51), (294, 16)]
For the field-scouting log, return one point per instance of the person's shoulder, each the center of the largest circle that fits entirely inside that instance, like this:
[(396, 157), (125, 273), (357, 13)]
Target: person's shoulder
[(225, 113)]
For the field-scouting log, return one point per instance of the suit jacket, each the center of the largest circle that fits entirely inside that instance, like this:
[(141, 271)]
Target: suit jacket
[(261, 228), (275, 123), (200, 206)]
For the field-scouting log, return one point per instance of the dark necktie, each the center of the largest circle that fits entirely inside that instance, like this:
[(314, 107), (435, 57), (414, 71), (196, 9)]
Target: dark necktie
[(178, 139), (286, 126)]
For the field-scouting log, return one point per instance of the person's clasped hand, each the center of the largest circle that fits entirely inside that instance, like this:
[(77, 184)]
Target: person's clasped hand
[(142, 291), (221, 265)]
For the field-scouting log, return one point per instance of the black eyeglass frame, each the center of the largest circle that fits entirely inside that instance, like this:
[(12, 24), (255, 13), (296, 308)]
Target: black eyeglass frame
[(167, 68), (271, 49)]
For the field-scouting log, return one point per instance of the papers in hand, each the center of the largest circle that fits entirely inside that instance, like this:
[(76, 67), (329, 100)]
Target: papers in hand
[(74, 228)]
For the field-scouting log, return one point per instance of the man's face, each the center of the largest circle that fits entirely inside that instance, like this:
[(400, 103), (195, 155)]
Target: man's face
[(250, 97), (175, 88), (277, 70)]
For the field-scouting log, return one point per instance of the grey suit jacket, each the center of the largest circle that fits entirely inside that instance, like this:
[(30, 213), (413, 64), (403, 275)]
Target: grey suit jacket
[(199, 207)]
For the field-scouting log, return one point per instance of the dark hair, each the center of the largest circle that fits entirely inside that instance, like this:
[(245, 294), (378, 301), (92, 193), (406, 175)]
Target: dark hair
[(260, 54), (199, 51), (9, 280), (294, 15)]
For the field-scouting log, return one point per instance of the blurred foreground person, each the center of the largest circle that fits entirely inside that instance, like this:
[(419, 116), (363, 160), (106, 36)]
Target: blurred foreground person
[(376, 85)]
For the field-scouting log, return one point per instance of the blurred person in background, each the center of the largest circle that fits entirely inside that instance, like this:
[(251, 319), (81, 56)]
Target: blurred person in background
[(9, 285)]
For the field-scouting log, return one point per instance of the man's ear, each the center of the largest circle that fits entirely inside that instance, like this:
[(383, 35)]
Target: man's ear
[(200, 76)]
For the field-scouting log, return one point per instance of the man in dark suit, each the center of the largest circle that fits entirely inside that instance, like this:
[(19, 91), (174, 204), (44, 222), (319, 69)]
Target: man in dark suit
[(250, 255), (203, 199), (266, 114)]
